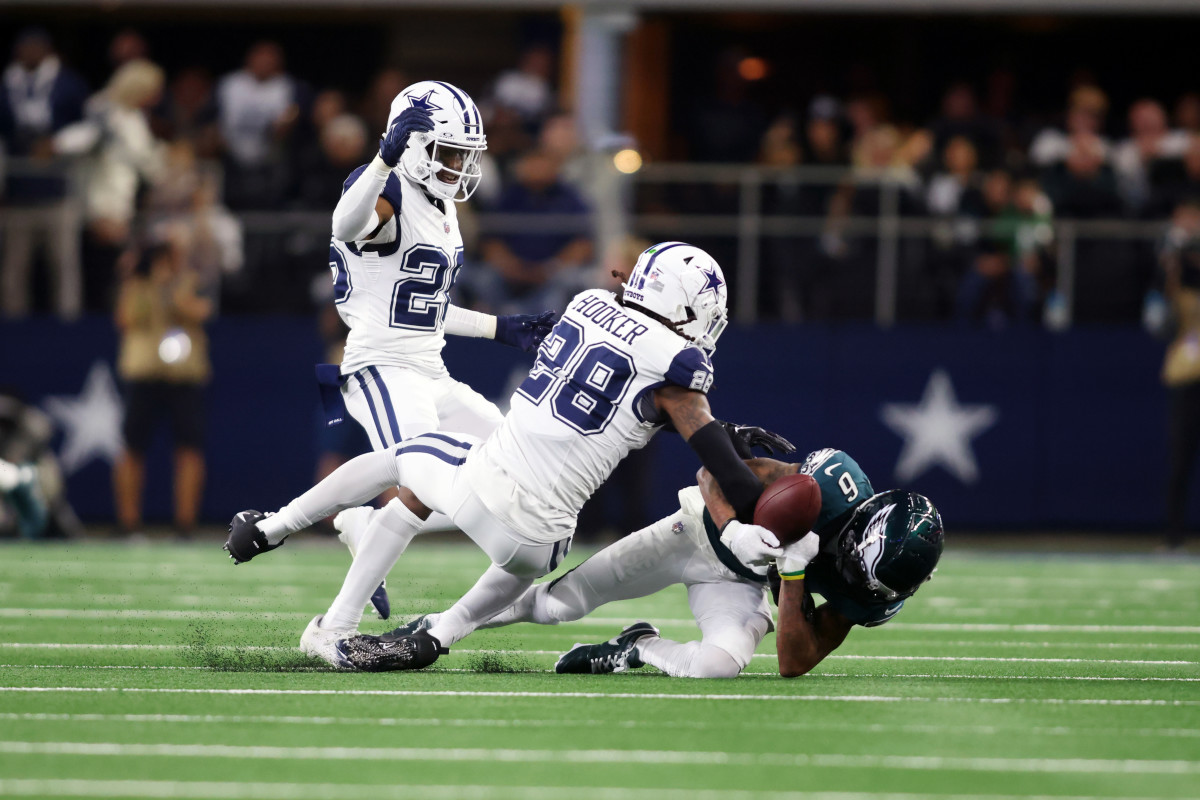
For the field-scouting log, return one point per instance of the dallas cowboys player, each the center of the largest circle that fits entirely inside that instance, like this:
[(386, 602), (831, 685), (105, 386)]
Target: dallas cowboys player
[(395, 253), (867, 553), (611, 374)]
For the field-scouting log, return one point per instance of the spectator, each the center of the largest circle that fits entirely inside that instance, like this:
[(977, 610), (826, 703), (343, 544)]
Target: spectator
[(823, 134), (993, 292), (377, 105), (1083, 185), (1086, 108), (126, 46), (1149, 141), (1174, 181), (1180, 260), (342, 148), (163, 360), (257, 109), (122, 153), (527, 89), (961, 118), (38, 97), (537, 268), (952, 191), (189, 112), (1187, 113)]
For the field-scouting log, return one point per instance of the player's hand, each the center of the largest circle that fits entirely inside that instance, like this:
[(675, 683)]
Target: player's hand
[(524, 331), (752, 436), (797, 556), (410, 121), (753, 545)]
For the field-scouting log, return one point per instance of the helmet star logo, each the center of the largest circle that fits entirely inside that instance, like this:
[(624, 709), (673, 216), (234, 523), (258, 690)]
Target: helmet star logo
[(712, 281), (423, 102)]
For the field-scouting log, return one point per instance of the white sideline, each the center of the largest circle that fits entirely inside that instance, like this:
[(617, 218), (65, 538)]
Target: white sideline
[(974, 627), (853, 698), (102, 646), (506, 722), (688, 757), (323, 791)]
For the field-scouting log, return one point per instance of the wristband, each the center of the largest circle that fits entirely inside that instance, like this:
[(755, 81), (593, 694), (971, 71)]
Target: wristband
[(792, 576)]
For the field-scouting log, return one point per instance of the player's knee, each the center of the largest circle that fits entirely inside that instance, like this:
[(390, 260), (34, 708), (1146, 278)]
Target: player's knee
[(413, 503), (559, 602), (713, 662)]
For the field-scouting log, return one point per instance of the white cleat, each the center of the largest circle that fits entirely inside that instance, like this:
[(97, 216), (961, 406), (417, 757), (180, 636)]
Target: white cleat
[(325, 644), (351, 524)]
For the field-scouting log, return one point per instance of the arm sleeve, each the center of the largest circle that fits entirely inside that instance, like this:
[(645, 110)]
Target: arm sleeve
[(355, 217), (691, 369), (739, 485), (465, 322)]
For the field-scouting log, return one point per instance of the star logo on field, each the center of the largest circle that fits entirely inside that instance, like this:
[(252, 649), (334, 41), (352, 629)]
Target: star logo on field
[(937, 431), (90, 421), (423, 102), (712, 281)]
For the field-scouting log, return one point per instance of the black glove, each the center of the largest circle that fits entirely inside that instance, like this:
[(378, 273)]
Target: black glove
[(747, 436), (410, 121), (524, 331)]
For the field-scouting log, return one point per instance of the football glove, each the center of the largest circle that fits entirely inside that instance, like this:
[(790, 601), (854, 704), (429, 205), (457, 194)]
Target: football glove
[(747, 436), (524, 331), (796, 557), (410, 121), (753, 545)]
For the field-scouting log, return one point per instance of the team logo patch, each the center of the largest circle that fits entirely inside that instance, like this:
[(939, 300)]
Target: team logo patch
[(446, 225), (677, 528)]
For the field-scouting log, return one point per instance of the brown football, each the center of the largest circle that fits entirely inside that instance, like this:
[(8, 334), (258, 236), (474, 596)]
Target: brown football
[(789, 507)]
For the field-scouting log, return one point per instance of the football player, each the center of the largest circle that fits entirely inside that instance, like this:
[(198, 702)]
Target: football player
[(866, 555), (395, 253), (613, 371)]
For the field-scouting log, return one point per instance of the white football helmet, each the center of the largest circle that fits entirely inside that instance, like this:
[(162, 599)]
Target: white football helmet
[(685, 286), (452, 149)]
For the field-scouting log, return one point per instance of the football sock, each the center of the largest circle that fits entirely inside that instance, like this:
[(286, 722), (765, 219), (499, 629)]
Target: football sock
[(388, 534), (351, 484), (491, 594), (687, 659)]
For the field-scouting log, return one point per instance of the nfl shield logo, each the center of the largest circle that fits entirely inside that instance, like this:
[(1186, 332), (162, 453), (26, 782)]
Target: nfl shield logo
[(677, 528), (447, 225)]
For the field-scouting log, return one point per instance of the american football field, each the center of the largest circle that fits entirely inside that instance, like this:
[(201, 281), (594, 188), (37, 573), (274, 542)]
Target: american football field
[(161, 671)]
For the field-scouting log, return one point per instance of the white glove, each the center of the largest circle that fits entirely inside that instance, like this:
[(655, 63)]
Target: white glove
[(796, 557), (753, 545)]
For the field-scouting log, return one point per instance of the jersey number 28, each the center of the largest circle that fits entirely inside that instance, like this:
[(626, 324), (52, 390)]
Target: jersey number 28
[(584, 384)]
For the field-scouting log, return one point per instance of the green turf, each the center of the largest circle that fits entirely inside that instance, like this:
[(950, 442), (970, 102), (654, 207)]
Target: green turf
[(156, 671)]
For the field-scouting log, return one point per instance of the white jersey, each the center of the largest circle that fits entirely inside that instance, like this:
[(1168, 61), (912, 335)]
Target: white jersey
[(393, 290), (588, 401)]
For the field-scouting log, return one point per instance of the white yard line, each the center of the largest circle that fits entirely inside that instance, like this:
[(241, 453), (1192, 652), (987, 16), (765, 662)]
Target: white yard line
[(638, 696), (506, 722), (688, 757), (184, 647)]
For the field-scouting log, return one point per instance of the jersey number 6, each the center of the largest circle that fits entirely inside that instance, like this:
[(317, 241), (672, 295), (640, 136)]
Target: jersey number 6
[(586, 383)]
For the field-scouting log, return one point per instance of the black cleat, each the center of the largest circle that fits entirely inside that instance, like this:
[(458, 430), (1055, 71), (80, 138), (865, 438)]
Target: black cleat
[(245, 539), (386, 653), (615, 655)]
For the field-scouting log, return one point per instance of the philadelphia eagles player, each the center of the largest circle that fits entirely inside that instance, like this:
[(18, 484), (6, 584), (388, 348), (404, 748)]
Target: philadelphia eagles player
[(867, 553), (395, 253)]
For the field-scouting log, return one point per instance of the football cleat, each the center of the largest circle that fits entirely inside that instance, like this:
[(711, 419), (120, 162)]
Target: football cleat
[(421, 623), (245, 539), (350, 525), (387, 652), (325, 644), (616, 655)]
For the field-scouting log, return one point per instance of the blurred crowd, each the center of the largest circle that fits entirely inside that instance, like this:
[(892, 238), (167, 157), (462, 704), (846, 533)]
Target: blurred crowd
[(205, 163)]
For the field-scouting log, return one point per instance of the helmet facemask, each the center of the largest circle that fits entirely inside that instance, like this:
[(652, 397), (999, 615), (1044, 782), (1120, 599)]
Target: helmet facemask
[(428, 160)]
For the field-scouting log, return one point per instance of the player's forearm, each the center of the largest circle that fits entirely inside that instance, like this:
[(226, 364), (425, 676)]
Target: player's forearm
[(354, 216), (802, 643), (767, 470), (465, 322)]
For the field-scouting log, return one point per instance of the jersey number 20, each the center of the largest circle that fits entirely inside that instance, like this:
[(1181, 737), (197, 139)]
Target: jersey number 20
[(585, 384)]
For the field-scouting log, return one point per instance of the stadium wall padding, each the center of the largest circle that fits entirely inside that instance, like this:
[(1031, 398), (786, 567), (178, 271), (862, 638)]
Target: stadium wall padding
[(1066, 430)]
